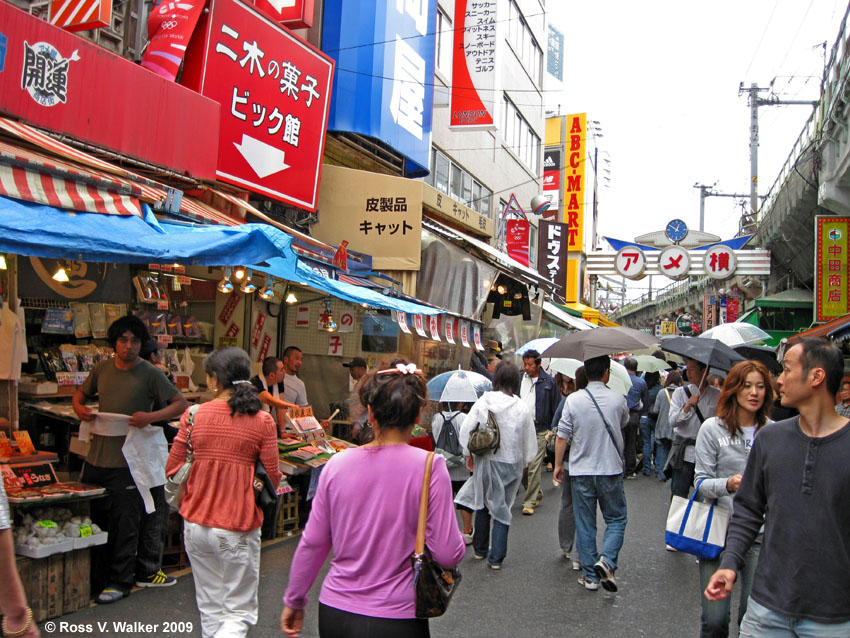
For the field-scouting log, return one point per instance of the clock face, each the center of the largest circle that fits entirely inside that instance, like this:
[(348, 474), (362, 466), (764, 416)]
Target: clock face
[(676, 230)]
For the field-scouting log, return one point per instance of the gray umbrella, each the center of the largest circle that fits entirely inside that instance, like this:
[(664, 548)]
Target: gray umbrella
[(586, 344), (711, 352), (763, 354)]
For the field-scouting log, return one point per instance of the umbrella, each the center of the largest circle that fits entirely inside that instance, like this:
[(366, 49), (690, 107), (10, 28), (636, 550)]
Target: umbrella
[(455, 386), (737, 333), (619, 381), (537, 344), (587, 344), (648, 363), (762, 354), (711, 352)]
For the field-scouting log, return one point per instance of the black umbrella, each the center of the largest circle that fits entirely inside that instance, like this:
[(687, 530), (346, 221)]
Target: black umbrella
[(711, 352), (586, 344), (762, 354)]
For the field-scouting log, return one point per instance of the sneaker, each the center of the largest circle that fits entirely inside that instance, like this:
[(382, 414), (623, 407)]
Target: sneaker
[(157, 579), (539, 499), (606, 574), (576, 565), (590, 585), (527, 511), (467, 539), (495, 566), (631, 476), (479, 556), (670, 548)]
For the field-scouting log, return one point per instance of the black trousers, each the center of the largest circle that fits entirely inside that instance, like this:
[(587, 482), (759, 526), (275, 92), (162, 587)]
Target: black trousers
[(630, 442), (121, 513), (335, 623)]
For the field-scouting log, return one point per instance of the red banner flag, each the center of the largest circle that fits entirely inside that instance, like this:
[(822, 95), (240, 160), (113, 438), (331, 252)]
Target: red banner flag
[(170, 26)]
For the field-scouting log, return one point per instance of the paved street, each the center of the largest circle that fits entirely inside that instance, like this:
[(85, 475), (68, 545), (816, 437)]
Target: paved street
[(534, 594)]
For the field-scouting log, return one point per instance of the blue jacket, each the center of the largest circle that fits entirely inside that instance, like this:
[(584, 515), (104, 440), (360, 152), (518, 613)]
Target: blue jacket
[(546, 399)]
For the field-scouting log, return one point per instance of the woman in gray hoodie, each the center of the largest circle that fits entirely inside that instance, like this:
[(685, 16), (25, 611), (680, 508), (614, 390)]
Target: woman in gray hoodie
[(722, 446)]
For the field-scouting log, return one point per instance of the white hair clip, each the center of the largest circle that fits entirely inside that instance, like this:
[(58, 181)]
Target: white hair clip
[(401, 368)]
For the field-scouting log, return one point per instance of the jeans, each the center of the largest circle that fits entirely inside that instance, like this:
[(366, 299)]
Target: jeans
[(566, 518), (609, 493), (662, 449), (630, 442), (714, 622), (496, 548), (533, 493), (119, 513), (761, 622), (647, 434), (153, 529), (683, 479), (226, 570)]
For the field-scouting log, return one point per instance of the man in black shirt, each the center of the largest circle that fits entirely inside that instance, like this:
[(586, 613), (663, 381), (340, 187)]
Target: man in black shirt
[(796, 483)]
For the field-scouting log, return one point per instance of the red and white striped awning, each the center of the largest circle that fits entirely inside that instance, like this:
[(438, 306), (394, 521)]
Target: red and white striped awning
[(37, 178)]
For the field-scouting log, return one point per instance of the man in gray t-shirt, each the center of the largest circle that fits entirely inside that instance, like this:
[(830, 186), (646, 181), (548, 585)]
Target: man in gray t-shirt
[(125, 384), (293, 387)]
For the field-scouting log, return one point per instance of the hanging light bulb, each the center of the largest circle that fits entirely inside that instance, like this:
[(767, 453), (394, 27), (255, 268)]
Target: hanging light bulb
[(332, 327), (266, 291), (291, 298), (248, 286), (225, 284), (2, 262), (330, 324), (61, 274), (239, 273), (501, 289)]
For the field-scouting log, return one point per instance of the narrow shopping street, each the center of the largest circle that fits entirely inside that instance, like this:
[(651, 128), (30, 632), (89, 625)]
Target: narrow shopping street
[(535, 593)]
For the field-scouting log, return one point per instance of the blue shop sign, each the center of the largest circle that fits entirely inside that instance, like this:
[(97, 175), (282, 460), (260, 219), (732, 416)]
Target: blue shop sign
[(383, 82)]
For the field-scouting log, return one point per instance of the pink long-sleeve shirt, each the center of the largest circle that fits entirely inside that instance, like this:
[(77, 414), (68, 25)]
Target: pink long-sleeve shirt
[(366, 509)]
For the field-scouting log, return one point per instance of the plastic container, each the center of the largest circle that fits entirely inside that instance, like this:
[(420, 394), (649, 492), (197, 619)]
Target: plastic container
[(89, 541), (42, 551)]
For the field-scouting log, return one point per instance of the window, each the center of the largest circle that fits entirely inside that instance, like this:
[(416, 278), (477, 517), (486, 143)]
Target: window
[(520, 137), (527, 50), (462, 186), (445, 38)]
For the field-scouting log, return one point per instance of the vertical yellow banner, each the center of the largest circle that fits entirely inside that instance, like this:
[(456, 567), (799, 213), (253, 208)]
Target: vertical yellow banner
[(574, 179), (831, 264)]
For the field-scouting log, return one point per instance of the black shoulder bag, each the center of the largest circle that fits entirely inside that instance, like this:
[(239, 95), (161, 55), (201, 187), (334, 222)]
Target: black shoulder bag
[(608, 428)]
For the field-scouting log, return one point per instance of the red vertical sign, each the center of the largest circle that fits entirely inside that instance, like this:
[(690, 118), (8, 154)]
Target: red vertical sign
[(517, 240)]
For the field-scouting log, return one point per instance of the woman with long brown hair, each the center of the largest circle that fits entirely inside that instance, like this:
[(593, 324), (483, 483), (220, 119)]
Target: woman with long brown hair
[(722, 446)]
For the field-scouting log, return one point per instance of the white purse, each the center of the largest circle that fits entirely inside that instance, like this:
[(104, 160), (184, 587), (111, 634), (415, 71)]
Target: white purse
[(695, 527)]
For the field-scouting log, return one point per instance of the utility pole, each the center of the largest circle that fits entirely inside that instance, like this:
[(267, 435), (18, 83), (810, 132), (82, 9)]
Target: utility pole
[(707, 191), (748, 221)]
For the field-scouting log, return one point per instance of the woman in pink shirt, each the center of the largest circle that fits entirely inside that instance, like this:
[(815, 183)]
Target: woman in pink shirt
[(366, 511)]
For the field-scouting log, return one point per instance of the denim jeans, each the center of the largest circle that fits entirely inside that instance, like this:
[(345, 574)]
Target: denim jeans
[(761, 622), (608, 492), (647, 435), (662, 449), (714, 622), (496, 548)]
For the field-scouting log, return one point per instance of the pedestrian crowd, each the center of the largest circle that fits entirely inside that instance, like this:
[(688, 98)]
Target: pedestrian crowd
[(783, 483)]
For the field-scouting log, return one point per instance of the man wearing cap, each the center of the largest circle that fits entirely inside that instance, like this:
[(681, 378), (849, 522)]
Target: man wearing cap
[(356, 371)]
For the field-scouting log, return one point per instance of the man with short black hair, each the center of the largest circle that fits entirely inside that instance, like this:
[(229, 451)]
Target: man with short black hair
[(270, 389), (797, 485), (540, 393), (293, 387), (638, 401), (591, 424), (125, 384), (842, 408)]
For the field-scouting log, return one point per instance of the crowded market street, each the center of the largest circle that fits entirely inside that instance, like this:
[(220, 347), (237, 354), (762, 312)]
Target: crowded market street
[(534, 594)]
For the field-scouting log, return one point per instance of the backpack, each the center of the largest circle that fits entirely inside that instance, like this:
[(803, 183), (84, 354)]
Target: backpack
[(485, 437), (449, 443)]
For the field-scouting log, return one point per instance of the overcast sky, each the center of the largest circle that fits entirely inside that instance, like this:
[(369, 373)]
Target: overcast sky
[(662, 78)]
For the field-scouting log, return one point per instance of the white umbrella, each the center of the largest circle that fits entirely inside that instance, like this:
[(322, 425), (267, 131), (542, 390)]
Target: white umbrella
[(479, 384), (738, 333), (537, 344), (648, 363), (459, 389), (619, 381)]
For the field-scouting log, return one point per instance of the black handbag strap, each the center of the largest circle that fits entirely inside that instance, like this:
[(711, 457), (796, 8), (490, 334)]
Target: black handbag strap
[(608, 428), (696, 407)]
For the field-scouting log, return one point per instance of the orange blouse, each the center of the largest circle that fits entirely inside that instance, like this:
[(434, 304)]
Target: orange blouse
[(220, 489)]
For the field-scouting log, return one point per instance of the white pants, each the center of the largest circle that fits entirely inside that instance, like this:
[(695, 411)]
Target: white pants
[(226, 569)]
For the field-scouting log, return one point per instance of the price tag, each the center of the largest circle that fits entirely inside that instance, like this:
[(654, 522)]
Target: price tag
[(85, 530), (184, 280), (162, 305), (46, 524)]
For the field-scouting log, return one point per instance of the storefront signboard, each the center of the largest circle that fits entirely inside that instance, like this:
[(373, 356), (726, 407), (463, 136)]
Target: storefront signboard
[(517, 240), (64, 83), (274, 91), (295, 14), (474, 68), (80, 15), (448, 208), (170, 27), (720, 262), (302, 317), (674, 262), (552, 254), (574, 182), (831, 267)]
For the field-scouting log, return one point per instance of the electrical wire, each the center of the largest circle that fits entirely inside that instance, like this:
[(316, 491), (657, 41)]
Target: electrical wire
[(761, 39)]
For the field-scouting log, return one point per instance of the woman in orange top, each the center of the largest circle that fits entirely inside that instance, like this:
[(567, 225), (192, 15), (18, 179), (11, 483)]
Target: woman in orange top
[(221, 519)]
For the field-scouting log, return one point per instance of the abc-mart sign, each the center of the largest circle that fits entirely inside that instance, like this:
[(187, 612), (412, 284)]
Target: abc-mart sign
[(719, 262)]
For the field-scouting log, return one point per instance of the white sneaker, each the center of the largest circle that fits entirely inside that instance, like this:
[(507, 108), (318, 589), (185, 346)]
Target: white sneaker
[(576, 565), (467, 539), (670, 548), (589, 585)]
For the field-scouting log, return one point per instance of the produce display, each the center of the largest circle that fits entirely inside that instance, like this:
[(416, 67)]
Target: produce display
[(48, 526), (55, 490)]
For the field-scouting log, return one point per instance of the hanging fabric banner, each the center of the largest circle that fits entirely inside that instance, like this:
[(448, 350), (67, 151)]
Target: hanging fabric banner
[(402, 323), (449, 323), (464, 333), (434, 327), (476, 338), (419, 325)]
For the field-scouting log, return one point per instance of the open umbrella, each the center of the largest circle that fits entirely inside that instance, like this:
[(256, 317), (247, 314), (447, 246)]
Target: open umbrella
[(458, 386), (648, 363), (711, 352), (619, 381), (537, 344), (737, 333), (586, 344), (762, 354)]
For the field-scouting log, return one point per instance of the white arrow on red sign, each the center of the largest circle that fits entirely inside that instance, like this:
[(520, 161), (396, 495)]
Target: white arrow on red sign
[(280, 5), (264, 158)]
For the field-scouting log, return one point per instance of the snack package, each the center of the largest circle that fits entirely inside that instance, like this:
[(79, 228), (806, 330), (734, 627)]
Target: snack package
[(69, 356), (174, 325), (190, 328)]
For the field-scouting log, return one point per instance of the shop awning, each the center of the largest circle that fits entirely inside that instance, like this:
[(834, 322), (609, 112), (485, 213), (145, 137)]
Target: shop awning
[(493, 256), (566, 318), (43, 231), (837, 328), (587, 313), (605, 322)]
